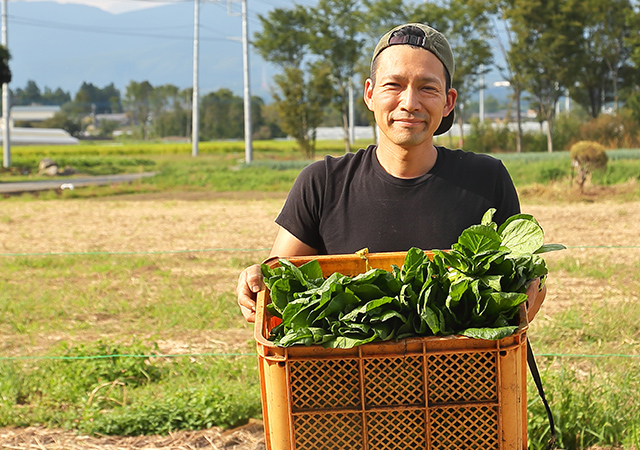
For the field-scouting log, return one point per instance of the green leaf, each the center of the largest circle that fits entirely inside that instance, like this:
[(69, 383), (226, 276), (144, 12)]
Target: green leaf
[(489, 333), (337, 304), (477, 239), (431, 319), (550, 248), (312, 270), (522, 235), (368, 307), (501, 302), (487, 218), (347, 342)]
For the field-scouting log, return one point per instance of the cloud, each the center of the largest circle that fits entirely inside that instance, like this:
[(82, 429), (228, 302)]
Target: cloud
[(110, 6)]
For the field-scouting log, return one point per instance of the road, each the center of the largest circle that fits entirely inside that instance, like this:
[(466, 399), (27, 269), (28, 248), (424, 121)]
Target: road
[(69, 183)]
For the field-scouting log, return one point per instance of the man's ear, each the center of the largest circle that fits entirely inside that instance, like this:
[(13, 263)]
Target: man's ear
[(368, 94), (452, 95)]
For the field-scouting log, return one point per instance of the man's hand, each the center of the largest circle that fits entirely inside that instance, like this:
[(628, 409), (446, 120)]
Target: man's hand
[(249, 284), (536, 296)]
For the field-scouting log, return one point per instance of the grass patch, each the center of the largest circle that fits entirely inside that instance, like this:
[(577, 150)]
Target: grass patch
[(590, 408), (220, 167), (120, 294), (125, 390), (72, 310), (590, 364)]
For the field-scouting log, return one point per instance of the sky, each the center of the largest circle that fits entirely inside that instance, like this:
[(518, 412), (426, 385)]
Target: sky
[(96, 51), (111, 6), (104, 41)]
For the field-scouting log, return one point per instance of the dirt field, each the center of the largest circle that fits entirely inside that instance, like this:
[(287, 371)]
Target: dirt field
[(190, 222)]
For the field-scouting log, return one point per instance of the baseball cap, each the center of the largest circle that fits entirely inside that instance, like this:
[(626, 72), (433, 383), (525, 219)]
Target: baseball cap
[(431, 40)]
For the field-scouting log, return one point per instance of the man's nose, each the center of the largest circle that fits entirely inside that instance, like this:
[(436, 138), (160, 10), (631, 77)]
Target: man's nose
[(410, 99)]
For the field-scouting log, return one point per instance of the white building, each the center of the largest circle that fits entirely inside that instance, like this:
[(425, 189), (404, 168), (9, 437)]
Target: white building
[(35, 136)]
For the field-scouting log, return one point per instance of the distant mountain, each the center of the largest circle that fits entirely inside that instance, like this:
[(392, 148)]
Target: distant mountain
[(64, 45)]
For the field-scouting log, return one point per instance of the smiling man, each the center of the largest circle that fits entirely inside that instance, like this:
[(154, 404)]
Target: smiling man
[(405, 192)]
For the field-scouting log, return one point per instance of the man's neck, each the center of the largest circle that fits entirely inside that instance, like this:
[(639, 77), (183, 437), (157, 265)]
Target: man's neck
[(404, 162)]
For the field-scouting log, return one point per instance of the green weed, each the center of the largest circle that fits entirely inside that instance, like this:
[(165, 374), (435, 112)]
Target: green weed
[(589, 408), (126, 390)]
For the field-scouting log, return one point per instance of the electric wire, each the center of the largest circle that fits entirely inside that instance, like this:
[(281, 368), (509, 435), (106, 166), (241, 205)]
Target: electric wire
[(114, 31)]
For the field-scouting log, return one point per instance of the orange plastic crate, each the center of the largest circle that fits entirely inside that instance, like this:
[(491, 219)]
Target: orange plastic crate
[(421, 393)]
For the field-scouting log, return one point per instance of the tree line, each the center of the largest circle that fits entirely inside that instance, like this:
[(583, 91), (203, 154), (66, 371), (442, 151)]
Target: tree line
[(147, 111), (587, 50)]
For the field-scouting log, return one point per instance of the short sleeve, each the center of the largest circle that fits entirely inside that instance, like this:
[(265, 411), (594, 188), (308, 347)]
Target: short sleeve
[(302, 210)]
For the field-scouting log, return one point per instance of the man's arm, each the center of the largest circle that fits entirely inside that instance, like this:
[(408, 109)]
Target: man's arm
[(250, 280)]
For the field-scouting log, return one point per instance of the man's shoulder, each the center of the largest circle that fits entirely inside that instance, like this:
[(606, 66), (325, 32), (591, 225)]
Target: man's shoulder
[(467, 158), (350, 158), (343, 162), (332, 165)]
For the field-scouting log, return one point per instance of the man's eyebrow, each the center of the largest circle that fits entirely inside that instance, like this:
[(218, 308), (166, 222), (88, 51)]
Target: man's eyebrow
[(426, 79)]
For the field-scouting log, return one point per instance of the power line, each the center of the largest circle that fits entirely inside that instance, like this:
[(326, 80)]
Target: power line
[(115, 31), (66, 24), (148, 252)]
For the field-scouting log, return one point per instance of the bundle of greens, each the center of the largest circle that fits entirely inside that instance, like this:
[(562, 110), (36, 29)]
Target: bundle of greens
[(474, 289)]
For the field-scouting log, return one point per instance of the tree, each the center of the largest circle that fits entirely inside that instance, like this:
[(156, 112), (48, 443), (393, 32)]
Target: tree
[(137, 101), (57, 97), (546, 34), (511, 72), (5, 71), (632, 90), (31, 94), (64, 120), (285, 41), (601, 54), (92, 99), (586, 157), (336, 25), (299, 103), (161, 103), (222, 115)]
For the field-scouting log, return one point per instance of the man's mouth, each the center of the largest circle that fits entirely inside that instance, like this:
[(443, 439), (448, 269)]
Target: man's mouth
[(409, 121)]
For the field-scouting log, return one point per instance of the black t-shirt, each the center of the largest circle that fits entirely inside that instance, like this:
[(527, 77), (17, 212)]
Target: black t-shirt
[(342, 205)]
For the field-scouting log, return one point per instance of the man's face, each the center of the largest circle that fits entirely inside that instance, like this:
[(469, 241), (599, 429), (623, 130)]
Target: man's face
[(409, 97)]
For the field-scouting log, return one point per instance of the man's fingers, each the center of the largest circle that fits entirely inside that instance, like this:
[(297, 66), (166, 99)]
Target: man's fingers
[(250, 316), (254, 278), (249, 284)]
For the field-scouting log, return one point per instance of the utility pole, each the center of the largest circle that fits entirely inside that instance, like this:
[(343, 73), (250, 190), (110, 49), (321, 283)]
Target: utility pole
[(481, 102), (6, 106), (248, 147), (195, 118), (352, 115)]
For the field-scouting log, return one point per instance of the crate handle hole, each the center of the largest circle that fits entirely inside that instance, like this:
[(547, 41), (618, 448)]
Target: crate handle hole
[(503, 353), (281, 364)]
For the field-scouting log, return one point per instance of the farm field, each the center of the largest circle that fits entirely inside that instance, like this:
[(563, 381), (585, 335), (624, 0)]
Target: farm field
[(119, 326), (208, 238)]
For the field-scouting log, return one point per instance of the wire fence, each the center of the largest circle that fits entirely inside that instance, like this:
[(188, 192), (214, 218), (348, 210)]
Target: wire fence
[(249, 354), (179, 355), (248, 250)]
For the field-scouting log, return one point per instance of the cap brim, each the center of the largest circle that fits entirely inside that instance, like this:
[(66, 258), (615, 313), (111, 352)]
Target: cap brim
[(445, 125)]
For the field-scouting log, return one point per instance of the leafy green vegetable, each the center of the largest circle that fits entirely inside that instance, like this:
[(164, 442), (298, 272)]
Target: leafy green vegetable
[(474, 289)]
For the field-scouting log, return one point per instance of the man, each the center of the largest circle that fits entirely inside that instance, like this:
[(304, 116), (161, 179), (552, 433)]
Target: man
[(405, 192)]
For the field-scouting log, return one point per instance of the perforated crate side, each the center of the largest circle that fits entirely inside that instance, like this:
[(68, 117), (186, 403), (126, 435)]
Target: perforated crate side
[(421, 393)]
